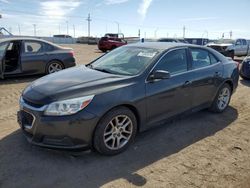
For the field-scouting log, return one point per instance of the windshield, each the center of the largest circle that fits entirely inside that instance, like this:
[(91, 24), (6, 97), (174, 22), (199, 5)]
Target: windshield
[(125, 60)]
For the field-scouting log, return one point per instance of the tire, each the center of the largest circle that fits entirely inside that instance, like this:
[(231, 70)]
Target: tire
[(57, 67), (103, 50), (244, 78), (231, 54), (118, 124), (222, 99)]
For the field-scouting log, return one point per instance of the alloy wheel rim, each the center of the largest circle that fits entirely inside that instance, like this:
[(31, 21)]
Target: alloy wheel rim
[(55, 67), (118, 132), (223, 98)]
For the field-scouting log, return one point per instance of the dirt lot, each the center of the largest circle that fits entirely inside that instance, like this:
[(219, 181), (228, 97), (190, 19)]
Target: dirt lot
[(202, 150)]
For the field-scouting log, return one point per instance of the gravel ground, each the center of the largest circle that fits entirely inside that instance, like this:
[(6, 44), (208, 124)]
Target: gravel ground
[(201, 150)]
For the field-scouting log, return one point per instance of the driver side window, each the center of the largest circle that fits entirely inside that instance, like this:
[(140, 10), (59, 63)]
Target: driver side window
[(238, 42), (174, 62)]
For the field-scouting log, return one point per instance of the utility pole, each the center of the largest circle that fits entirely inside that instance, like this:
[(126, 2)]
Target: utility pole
[(184, 31), (1, 16), (231, 34), (67, 27), (139, 33), (34, 25), (19, 29), (89, 20), (156, 32), (74, 29)]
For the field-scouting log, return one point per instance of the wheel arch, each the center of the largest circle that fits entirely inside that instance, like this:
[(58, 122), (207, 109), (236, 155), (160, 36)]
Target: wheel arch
[(230, 83), (130, 107)]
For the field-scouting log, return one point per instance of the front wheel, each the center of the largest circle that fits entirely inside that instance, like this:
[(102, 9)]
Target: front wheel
[(222, 99), (115, 131)]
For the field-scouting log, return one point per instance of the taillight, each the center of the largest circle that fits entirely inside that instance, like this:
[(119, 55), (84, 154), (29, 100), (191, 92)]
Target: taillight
[(72, 54), (237, 64)]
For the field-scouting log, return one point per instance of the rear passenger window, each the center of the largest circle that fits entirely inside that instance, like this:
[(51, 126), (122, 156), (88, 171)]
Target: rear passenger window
[(200, 58), (174, 62), (213, 59), (48, 47), (244, 42)]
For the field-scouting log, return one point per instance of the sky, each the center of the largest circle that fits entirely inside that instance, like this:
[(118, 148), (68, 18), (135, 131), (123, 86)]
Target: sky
[(154, 18)]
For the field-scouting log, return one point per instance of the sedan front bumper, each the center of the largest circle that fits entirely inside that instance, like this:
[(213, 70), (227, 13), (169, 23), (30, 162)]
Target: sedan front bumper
[(62, 132)]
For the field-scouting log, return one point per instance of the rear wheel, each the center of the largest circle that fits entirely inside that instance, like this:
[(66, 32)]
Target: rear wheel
[(54, 66), (103, 50), (222, 99), (113, 47), (243, 77), (115, 131)]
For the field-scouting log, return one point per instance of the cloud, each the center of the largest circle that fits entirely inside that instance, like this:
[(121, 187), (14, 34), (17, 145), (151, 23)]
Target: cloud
[(143, 8), (4, 1), (58, 8), (198, 19), (111, 2)]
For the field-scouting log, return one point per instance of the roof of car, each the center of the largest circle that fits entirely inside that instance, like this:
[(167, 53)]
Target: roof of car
[(163, 45), (20, 38), (26, 38)]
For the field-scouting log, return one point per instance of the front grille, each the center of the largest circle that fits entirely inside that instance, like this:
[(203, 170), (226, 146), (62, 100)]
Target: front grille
[(27, 118)]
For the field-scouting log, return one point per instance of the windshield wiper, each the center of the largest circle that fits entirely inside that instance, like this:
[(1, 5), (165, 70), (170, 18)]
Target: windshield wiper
[(102, 70)]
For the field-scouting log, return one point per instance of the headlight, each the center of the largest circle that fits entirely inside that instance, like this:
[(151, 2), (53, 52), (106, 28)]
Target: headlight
[(68, 107)]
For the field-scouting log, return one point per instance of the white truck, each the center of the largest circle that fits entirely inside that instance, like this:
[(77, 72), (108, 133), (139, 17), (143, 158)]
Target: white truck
[(239, 47)]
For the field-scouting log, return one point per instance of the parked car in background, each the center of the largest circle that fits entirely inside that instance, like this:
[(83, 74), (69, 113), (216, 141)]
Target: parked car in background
[(62, 36), (28, 56), (245, 68), (230, 48), (197, 41), (111, 41), (172, 40), (104, 104)]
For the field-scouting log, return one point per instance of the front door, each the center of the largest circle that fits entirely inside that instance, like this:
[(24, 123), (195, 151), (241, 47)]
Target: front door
[(168, 97), (3, 47), (238, 47)]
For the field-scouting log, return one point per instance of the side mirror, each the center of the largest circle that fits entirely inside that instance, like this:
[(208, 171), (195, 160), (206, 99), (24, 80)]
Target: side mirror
[(160, 75)]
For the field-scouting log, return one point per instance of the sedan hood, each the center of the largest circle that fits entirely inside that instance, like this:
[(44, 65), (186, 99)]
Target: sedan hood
[(70, 83)]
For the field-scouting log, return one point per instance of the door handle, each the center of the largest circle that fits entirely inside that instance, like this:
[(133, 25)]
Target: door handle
[(217, 74), (187, 83)]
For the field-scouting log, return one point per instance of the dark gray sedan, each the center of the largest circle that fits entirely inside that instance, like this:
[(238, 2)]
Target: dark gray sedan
[(28, 56), (105, 104)]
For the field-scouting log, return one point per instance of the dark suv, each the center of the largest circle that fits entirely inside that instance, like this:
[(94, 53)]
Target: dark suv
[(110, 43)]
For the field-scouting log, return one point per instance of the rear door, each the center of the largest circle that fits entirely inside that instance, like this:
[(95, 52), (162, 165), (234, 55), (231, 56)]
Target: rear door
[(3, 47), (207, 75), (33, 57)]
